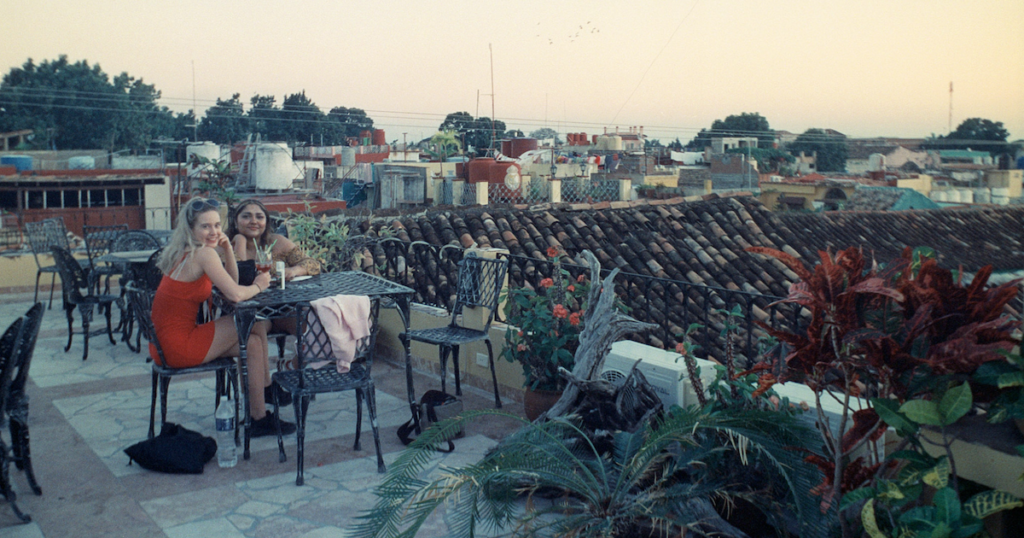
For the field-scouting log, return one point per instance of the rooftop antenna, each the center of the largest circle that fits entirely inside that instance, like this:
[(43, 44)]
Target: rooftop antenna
[(195, 111), (950, 107)]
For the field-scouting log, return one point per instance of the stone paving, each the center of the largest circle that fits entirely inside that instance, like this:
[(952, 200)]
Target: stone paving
[(83, 415)]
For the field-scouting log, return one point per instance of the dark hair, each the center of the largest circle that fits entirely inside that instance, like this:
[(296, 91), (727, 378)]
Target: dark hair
[(264, 238)]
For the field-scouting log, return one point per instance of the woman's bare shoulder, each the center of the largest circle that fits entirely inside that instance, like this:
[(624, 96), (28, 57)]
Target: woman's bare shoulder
[(281, 243)]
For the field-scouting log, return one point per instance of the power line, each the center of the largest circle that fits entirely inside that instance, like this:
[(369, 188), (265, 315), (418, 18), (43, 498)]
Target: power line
[(9, 96)]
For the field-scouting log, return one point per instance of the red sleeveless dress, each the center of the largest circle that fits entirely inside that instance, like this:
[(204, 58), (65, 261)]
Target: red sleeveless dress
[(175, 308)]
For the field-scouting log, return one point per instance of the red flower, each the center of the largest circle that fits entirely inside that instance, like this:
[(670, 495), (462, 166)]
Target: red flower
[(547, 283), (560, 312), (519, 334), (574, 319), (681, 349), (571, 288), (552, 252), (579, 279), (521, 347)]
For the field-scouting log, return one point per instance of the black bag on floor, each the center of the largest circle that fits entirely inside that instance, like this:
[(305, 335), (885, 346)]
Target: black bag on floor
[(177, 450), (435, 406)]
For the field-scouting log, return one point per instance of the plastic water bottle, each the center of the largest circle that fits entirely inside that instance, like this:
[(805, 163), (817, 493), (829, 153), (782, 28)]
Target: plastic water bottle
[(227, 456)]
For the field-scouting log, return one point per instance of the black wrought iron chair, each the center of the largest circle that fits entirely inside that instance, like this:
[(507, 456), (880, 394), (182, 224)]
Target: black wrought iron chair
[(479, 285), (98, 240), (8, 344), (78, 287), (145, 276), (17, 398), (314, 345), (141, 301), (42, 236)]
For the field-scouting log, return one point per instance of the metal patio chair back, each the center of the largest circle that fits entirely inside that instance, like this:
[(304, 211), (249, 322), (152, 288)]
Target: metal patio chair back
[(9, 343), (39, 241), (479, 285), (225, 368), (98, 240), (314, 346), (78, 287), (144, 276), (17, 398)]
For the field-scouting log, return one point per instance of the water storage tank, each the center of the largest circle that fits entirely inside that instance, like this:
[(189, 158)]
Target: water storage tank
[(273, 168), (966, 196), (518, 146), (479, 170), (1000, 195), (940, 196), (20, 162), (982, 196), (348, 156), (876, 162), (365, 136), (378, 138), (82, 162), (208, 150)]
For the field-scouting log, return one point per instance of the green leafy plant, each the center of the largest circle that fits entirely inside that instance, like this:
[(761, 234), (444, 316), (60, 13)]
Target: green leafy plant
[(896, 504), (911, 336), (319, 238), (655, 479), (544, 325)]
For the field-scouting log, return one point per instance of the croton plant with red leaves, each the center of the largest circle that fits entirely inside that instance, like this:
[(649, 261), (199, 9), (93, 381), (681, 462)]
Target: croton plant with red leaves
[(891, 332)]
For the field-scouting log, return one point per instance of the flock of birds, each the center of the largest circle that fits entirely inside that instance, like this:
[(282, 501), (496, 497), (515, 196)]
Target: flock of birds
[(582, 30)]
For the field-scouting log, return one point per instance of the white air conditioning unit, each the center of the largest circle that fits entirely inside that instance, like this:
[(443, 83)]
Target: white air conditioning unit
[(661, 368)]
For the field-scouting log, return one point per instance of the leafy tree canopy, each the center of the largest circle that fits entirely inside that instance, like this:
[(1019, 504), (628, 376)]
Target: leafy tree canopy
[(831, 149), (972, 133), (768, 159), (77, 106), (475, 132), (225, 122), (545, 133), (745, 124)]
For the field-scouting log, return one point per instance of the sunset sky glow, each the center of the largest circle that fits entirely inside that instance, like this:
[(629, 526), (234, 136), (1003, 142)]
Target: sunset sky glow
[(865, 68)]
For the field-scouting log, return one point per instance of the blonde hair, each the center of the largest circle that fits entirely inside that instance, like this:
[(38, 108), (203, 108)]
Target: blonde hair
[(182, 240)]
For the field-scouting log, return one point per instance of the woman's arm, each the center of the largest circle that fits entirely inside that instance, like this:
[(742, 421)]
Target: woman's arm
[(241, 245), (210, 263), (298, 263), (228, 253)]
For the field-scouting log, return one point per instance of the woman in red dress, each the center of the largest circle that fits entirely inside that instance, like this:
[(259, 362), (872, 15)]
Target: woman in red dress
[(198, 257)]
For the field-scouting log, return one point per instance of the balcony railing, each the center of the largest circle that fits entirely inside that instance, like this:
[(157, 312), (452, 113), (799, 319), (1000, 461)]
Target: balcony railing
[(671, 305)]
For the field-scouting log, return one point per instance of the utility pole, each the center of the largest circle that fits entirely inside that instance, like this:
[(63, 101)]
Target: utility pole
[(405, 156), (950, 107)]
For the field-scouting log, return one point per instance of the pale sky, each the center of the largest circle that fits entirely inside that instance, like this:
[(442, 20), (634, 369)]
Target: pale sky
[(865, 68)]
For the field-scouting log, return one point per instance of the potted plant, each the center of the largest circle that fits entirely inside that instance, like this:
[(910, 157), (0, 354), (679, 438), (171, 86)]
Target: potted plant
[(544, 326)]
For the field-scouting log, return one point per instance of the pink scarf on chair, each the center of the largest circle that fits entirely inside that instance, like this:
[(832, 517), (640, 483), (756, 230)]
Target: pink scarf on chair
[(346, 320)]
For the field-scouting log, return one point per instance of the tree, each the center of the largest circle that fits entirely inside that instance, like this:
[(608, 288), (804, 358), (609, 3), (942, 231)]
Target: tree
[(347, 122), (225, 122), (768, 159), (831, 149), (545, 133), (676, 145), (443, 145), (972, 133), (476, 132), (746, 124), (76, 106), (264, 116)]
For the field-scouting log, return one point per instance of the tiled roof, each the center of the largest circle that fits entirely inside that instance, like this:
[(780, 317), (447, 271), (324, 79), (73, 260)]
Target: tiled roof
[(970, 238), (703, 240)]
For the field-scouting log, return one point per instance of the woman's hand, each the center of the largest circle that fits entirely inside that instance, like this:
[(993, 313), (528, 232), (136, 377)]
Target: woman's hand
[(262, 280), (292, 272)]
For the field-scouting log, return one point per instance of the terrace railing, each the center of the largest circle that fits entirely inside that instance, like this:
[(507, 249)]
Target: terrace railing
[(671, 305)]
